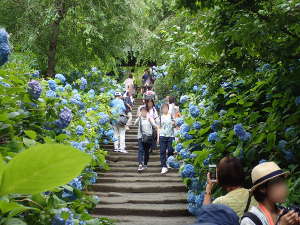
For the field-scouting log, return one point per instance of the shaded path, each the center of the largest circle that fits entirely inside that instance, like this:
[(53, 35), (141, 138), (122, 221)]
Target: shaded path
[(140, 198)]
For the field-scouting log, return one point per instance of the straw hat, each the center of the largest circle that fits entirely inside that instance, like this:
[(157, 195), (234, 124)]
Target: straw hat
[(264, 172)]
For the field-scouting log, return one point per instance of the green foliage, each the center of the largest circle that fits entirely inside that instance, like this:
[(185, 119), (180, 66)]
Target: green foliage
[(41, 168), (245, 53)]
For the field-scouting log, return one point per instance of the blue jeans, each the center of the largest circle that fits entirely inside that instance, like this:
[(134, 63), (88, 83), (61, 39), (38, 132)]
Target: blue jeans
[(143, 154), (165, 144)]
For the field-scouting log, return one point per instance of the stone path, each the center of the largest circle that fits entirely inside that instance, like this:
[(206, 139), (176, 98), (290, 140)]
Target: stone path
[(145, 198)]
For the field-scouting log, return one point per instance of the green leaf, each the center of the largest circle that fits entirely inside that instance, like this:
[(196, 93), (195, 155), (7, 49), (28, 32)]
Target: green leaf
[(42, 167), (28, 142), (31, 134), (14, 221)]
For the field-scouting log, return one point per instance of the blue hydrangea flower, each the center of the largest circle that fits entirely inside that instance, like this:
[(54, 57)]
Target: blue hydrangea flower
[(79, 130), (184, 154), (105, 141), (184, 128), (178, 147), (195, 185), (297, 100), (199, 200), (4, 47), (282, 144), (291, 132), (58, 219), (241, 133), (188, 171), (65, 117), (68, 87), (91, 93), (93, 178), (174, 87), (109, 133), (34, 89), (184, 99), (195, 88), (102, 90), (212, 137), (191, 197), (36, 74), (215, 126), (83, 83), (194, 111), (179, 121), (192, 209), (76, 183), (288, 155), (188, 136), (173, 163), (196, 125), (52, 85), (60, 88), (264, 68), (51, 94), (94, 69), (60, 77), (63, 102), (203, 89), (207, 160), (104, 118)]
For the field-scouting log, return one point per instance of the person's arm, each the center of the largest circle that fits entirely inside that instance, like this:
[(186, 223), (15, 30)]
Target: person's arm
[(137, 120), (208, 191)]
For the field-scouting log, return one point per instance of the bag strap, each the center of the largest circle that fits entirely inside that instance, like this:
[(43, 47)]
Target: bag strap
[(141, 126), (252, 217), (248, 203)]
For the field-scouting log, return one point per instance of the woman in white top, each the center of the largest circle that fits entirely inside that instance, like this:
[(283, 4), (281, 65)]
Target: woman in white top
[(129, 84), (166, 136)]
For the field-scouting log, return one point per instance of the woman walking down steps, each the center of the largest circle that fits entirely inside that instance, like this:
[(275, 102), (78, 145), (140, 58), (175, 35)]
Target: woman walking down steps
[(145, 198)]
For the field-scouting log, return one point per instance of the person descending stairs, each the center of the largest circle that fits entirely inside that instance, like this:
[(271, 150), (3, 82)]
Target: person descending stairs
[(146, 198)]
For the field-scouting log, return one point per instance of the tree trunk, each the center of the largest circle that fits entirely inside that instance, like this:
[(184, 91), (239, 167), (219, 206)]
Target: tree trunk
[(52, 48), (62, 11)]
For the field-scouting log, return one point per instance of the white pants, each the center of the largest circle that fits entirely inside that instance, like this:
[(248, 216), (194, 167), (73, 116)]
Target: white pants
[(129, 122), (119, 135)]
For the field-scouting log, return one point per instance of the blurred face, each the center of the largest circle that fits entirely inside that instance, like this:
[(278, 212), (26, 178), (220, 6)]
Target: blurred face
[(150, 104), (144, 113), (165, 110), (277, 190)]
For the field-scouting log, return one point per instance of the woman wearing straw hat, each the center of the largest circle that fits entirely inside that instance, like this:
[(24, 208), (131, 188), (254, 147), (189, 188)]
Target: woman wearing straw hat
[(269, 189)]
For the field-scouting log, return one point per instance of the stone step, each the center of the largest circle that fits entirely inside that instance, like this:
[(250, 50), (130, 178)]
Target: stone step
[(138, 178), (163, 210), (131, 164), (134, 174), (141, 187), (150, 220), (134, 170), (135, 198), (125, 157)]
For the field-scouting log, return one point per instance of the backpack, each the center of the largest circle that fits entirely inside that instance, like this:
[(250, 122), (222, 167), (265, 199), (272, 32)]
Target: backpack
[(122, 120)]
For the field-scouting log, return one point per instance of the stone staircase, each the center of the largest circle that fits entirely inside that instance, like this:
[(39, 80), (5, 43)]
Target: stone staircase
[(145, 198)]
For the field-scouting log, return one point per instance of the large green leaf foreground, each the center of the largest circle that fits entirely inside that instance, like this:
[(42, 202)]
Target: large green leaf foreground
[(41, 168)]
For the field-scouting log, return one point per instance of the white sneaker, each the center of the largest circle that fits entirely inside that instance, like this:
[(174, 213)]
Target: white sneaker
[(145, 166), (123, 151), (168, 166), (164, 170), (127, 128), (116, 150), (140, 168)]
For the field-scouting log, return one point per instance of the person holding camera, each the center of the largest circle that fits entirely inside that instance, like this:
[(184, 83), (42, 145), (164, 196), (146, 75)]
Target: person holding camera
[(269, 189), (145, 137), (230, 176)]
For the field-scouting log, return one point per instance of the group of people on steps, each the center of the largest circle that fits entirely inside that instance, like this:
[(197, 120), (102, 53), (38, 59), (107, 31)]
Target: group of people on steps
[(155, 126)]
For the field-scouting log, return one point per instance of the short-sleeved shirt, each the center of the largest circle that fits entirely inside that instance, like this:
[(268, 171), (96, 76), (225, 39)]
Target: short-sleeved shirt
[(118, 106), (166, 126), (256, 211), (237, 200)]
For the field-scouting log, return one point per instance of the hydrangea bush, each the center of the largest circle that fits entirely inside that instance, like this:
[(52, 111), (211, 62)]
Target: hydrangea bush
[(36, 110)]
